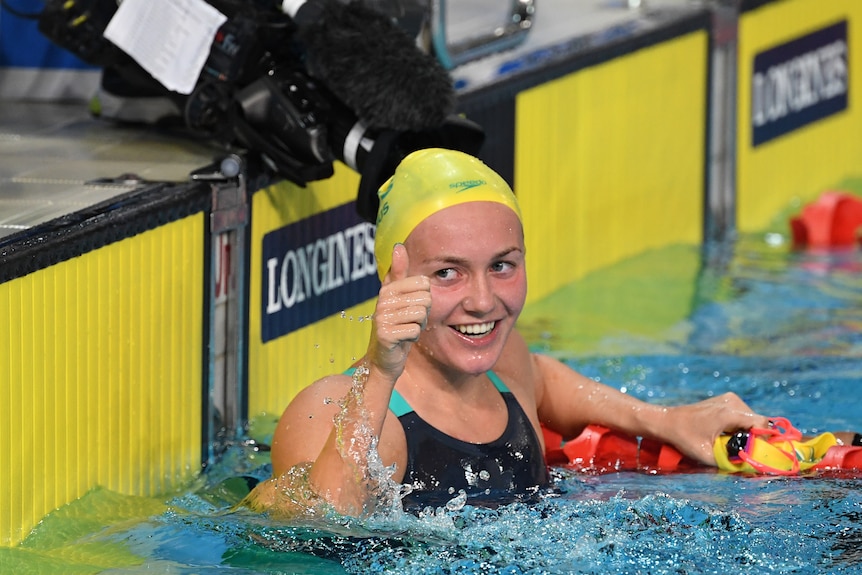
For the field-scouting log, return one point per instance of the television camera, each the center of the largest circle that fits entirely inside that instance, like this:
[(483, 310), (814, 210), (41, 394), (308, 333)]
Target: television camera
[(334, 81)]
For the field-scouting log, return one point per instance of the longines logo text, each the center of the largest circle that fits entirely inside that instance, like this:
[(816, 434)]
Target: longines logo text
[(315, 268), (799, 82)]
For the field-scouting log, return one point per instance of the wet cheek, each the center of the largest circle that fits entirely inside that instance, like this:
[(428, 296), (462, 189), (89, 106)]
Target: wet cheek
[(442, 306), (435, 318), (514, 296)]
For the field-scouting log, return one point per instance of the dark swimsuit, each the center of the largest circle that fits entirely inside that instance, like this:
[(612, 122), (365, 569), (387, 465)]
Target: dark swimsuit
[(438, 465)]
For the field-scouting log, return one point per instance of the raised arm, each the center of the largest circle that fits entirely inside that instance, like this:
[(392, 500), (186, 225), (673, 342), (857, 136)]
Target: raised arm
[(330, 425)]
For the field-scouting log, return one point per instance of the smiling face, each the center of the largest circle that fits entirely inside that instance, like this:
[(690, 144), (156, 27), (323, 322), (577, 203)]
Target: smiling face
[(473, 254)]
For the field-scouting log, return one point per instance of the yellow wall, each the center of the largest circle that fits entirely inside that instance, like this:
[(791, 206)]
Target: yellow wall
[(797, 166), (610, 160), (279, 368), (101, 374)]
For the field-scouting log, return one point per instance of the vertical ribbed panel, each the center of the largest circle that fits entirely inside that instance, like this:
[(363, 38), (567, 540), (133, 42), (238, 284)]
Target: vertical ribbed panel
[(278, 369), (610, 160), (101, 374)]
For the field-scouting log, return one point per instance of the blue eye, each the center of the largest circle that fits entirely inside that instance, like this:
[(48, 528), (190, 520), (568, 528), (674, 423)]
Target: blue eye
[(445, 274)]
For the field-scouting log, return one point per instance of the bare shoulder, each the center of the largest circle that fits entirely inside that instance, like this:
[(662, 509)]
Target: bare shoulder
[(322, 395), (517, 368), (307, 422), (536, 379), (516, 362)]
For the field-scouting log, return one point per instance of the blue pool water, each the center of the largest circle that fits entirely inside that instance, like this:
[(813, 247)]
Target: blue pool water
[(782, 329)]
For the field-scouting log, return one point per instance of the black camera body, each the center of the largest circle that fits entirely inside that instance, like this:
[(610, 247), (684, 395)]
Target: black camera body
[(255, 91)]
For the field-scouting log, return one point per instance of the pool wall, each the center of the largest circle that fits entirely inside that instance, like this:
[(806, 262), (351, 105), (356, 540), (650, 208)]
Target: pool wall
[(611, 158), (102, 359), (797, 135), (312, 280), (121, 358)]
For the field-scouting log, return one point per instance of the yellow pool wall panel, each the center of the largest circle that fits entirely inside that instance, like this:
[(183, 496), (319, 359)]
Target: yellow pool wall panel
[(100, 374), (797, 166), (610, 160), (280, 368)]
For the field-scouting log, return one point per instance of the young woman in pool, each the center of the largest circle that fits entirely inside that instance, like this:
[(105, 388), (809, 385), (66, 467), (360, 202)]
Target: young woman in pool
[(452, 395)]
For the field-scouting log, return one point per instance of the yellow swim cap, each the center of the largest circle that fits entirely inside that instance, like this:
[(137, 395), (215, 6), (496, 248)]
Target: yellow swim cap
[(426, 182)]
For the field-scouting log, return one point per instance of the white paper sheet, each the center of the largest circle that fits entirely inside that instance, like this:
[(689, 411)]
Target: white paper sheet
[(170, 39)]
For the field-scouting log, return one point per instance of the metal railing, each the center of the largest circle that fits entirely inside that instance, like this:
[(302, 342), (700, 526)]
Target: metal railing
[(506, 36)]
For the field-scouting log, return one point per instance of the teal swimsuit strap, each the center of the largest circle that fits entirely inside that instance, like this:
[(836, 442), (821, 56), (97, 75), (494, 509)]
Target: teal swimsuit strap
[(399, 406), (498, 383), (397, 403)]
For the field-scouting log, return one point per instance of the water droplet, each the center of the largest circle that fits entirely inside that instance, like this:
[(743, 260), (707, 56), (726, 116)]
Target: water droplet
[(774, 240), (458, 501)]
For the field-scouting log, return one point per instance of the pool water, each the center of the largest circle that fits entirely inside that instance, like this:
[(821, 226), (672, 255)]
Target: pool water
[(783, 329)]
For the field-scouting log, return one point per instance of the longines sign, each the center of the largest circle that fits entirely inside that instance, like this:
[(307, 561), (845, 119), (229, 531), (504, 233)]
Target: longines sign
[(799, 82), (315, 268)]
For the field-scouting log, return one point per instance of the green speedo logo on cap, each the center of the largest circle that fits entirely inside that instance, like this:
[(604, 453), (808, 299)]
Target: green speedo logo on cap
[(466, 185)]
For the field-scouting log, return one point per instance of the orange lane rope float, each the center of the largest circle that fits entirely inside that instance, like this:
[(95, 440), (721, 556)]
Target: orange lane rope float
[(833, 220), (777, 450)]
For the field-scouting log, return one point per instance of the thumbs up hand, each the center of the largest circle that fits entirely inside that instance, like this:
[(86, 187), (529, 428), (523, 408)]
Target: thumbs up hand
[(400, 316)]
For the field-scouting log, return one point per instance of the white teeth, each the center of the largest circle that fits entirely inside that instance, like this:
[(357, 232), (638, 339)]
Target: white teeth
[(477, 328)]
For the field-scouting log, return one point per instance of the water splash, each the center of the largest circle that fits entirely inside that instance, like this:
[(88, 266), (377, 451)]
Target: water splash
[(653, 534), (357, 442), (620, 523), (292, 495)]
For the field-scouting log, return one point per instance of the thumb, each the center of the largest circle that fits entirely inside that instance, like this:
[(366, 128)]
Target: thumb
[(400, 263)]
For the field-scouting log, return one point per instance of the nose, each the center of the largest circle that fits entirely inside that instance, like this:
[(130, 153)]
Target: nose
[(480, 300)]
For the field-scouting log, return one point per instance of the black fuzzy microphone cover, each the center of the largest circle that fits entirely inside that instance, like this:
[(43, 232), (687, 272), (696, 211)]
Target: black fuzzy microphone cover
[(374, 66)]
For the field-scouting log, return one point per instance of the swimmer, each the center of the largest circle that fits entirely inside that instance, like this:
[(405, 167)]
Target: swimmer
[(452, 394)]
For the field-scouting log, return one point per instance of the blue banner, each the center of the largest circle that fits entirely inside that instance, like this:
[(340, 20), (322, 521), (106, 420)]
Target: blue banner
[(315, 268), (799, 82)]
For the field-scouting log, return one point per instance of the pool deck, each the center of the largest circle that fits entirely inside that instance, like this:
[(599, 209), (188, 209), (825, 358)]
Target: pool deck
[(56, 159)]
